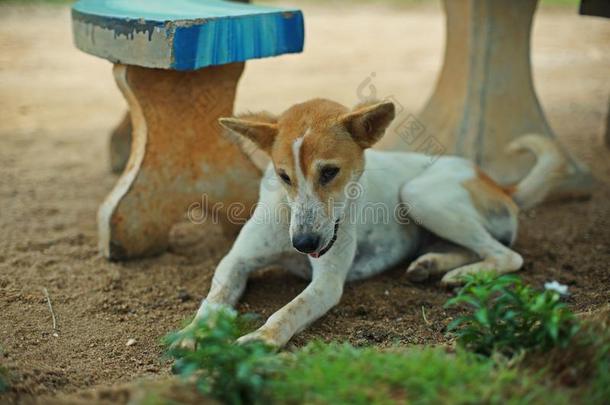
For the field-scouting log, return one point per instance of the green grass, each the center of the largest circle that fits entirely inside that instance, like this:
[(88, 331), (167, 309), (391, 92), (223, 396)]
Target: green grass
[(323, 373), (566, 368), (584, 363), (342, 374)]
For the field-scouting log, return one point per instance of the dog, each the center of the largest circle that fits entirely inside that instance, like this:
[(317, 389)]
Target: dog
[(314, 215)]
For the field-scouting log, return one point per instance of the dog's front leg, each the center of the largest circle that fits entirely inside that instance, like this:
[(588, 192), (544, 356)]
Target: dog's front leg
[(323, 293), (260, 243)]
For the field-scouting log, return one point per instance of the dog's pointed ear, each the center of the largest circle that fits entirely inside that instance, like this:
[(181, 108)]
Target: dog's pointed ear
[(367, 123), (262, 133)]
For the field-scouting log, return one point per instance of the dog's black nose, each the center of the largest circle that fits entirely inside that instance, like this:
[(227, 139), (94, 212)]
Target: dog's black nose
[(306, 243)]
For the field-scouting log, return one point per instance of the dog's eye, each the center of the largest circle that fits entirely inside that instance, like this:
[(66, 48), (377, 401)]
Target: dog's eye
[(284, 177), (327, 174)]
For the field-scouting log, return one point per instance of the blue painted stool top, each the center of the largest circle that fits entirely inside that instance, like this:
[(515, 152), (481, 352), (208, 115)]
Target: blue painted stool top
[(184, 34)]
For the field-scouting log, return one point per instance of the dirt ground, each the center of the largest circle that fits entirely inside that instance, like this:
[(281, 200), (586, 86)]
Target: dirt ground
[(57, 106)]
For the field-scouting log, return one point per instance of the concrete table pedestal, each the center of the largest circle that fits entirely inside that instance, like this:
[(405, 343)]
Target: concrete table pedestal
[(178, 158), (485, 97), (178, 64)]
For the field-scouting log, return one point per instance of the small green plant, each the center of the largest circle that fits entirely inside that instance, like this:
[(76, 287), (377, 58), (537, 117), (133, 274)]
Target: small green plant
[(229, 372), (509, 317)]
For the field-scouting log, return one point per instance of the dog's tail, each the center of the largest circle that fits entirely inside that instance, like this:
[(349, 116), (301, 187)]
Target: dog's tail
[(549, 169)]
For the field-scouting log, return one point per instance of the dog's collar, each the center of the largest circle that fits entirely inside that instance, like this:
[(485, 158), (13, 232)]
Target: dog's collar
[(330, 244)]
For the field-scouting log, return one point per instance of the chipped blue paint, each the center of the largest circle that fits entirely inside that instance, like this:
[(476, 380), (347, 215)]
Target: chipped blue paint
[(199, 33), (221, 41)]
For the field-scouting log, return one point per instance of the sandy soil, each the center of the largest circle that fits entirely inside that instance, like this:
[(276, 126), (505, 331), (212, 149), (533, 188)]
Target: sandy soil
[(57, 106)]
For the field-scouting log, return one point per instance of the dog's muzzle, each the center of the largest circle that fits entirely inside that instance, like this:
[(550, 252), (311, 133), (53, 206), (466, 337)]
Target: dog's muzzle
[(306, 242), (310, 243)]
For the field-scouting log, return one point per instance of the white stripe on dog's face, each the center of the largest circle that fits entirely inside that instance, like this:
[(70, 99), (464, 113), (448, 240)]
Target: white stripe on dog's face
[(311, 143), (308, 217), (296, 155)]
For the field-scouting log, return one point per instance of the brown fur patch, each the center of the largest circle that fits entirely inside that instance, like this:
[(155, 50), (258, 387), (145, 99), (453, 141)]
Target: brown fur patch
[(325, 139), (488, 196), (491, 183), (332, 134)]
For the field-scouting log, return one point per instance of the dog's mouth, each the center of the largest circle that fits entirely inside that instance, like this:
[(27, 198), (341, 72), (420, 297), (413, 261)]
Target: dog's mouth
[(330, 244)]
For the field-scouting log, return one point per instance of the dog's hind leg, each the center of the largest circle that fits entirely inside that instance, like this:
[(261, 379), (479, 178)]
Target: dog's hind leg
[(472, 235), (504, 262), (440, 258), (444, 206)]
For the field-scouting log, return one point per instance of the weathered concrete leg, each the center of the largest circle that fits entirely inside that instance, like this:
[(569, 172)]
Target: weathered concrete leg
[(178, 158), (120, 144), (485, 96)]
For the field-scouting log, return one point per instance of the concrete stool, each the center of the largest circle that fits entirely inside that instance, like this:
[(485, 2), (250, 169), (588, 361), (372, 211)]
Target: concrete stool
[(178, 63)]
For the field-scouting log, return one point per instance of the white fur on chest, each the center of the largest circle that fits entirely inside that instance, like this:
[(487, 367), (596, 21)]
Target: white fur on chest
[(385, 236)]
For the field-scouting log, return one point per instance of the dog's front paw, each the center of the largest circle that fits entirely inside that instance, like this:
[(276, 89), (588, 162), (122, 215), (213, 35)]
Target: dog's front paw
[(205, 320), (261, 335), (185, 339)]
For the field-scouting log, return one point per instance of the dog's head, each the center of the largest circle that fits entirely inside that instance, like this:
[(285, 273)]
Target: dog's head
[(317, 150)]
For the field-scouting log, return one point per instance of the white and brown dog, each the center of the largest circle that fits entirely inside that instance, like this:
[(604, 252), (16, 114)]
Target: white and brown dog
[(338, 214)]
